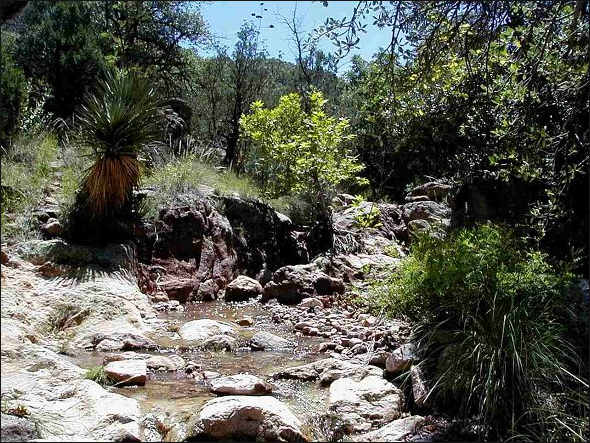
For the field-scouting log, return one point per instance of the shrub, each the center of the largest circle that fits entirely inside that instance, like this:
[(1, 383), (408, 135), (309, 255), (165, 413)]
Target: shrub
[(98, 375), (13, 90), (492, 319)]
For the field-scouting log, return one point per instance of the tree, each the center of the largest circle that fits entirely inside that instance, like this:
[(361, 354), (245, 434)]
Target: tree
[(12, 90), (247, 77)]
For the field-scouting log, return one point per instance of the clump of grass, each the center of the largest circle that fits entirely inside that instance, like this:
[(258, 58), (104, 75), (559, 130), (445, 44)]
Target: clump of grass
[(17, 410), (26, 172), (64, 316), (493, 320), (98, 375)]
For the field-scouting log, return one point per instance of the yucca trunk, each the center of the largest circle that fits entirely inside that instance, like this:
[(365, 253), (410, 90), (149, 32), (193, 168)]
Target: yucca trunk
[(110, 182)]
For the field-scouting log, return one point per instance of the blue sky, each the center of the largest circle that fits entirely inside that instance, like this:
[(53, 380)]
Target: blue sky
[(226, 17)]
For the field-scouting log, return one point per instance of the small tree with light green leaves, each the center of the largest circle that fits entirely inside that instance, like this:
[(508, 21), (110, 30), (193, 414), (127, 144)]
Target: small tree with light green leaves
[(300, 153)]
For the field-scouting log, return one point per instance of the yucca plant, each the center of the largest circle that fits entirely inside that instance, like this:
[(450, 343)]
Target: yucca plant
[(121, 123)]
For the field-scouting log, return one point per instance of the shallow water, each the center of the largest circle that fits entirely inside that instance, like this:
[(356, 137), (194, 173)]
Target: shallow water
[(178, 393)]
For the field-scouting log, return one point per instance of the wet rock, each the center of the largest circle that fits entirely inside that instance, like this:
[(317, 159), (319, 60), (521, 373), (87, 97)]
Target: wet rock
[(358, 406), (242, 288), (245, 321), (328, 370), (397, 430), (401, 359), (263, 418), (15, 428), (127, 372), (200, 330), (240, 384), (266, 341)]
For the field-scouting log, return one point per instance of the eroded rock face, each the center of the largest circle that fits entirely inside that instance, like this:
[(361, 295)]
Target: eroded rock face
[(359, 406), (263, 418), (240, 384), (242, 288)]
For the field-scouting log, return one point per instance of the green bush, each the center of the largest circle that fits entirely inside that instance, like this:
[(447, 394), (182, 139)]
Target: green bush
[(98, 375), (13, 90), (493, 321)]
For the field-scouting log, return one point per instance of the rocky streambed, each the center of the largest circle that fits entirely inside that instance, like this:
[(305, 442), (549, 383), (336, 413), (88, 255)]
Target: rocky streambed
[(192, 347)]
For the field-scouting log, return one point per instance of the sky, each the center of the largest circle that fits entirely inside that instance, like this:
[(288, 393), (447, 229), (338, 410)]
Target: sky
[(226, 17)]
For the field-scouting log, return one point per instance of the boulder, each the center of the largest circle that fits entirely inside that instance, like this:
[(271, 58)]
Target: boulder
[(220, 342), (155, 362), (178, 288), (52, 228), (119, 342), (240, 384), (266, 341), (262, 418), (426, 210), (198, 331), (207, 290), (127, 372), (401, 359), (433, 190), (397, 430), (328, 370), (291, 284), (15, 428), (242, 288), (359, 406), (419, 387)]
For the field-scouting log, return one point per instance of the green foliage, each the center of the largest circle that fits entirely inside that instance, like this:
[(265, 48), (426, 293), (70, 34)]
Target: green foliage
[(298, 152), (366, 219), (26, 172), (500, 314), (98, 375), (13, 90)]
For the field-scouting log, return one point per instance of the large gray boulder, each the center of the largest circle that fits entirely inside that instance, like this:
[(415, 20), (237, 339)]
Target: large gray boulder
[(359, 406), (263, 418)]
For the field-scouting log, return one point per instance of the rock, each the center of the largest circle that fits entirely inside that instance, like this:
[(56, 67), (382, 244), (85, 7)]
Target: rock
[(291, 284), (426, 210), (155, 362), (379, 358), (245, 321), (52, 228), (178, 289), (401, 359), (127, 372), (358, 406), (199, 331), (397, 430), (240, 384), (328, 370), (207, 290), (50, 270), (311, 302), (242, 288), (419, 388), (15, 428), (4, 257), (60, 252), (263, 418), (220, 342), (266, 341), (210, 375), (120, 342), (433, 190)]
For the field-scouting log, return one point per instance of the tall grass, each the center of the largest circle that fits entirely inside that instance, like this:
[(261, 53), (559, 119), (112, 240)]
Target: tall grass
[(493, 321), (26, 172)]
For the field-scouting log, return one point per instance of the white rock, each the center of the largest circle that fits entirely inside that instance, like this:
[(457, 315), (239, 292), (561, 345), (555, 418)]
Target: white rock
[(397, 430), (263, 418), (263, 340), (240, 384), (201, 330), (242, 288), (311, 302), (127, 372), (360, 406)]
